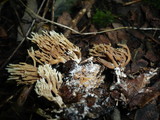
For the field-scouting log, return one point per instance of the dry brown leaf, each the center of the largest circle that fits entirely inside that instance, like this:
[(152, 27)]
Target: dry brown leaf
[(135, 85), (122, 35), (137, 92), (149, 112), (65, 19), (137, 34), (138, 65), (100, 39), (141, 99), (112, 37), (153, 20), (150, 55), (119, 36)]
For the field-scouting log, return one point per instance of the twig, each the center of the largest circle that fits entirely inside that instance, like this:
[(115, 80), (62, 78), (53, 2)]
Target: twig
[(24, 95), (152, 38), (46, 9), (29, 30), (52, 14), (20, 25), (119, 28), (132, 2)]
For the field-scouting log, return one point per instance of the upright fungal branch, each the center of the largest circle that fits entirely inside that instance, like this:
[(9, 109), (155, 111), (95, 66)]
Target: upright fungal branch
[(49, 84), (54, 48), (111, 57), (23, 73)]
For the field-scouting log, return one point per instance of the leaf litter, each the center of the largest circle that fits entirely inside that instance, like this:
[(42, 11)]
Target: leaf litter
[(84, 84)]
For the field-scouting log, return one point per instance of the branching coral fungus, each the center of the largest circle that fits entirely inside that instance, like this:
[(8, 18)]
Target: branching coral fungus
[(23, 73), (49, 84), (111, 57), (54, 48)]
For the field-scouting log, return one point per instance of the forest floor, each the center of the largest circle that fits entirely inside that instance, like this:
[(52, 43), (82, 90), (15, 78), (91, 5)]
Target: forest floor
[(135, 23)]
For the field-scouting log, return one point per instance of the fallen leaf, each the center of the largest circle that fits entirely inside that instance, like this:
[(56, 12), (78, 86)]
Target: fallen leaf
[(100, 39), (122, 35), (150, 55), (118, 36), (137, 34), (138, 65), (146, 96), (135, 16), (149, 112), (112, 37), (65, 19), (154, 21)]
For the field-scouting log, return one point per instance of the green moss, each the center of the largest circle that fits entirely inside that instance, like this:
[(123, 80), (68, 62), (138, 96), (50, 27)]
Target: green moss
[(154, 3), (102, 18)]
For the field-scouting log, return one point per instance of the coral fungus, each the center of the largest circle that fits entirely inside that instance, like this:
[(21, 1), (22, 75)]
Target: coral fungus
[(49, 83), (54, 48), (111, 57), (23, 73)]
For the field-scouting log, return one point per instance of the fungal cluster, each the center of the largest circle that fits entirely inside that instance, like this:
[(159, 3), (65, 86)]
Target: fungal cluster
[(82, 92), (113, 58)]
